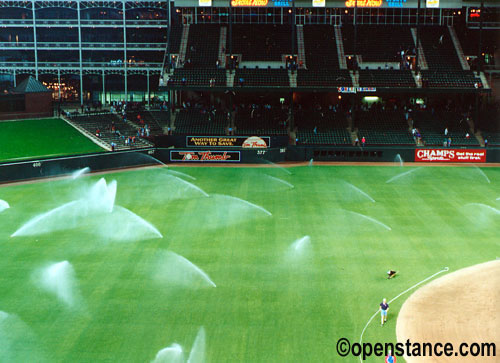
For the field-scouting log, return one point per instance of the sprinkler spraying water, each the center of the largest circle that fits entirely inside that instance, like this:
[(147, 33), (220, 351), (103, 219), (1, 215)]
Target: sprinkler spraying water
[(96, 211), (173, 269), (171, 354), (78, 173), (59, 279), (3, 205)]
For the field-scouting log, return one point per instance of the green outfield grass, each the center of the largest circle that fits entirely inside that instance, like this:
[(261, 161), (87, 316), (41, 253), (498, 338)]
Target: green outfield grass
[(38, 138), (273, 301)]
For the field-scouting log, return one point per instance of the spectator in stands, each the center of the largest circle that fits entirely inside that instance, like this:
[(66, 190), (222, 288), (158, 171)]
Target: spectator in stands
[(467, 136), (449, 142), (445, 131), (363, 141), (356, 142), (485, 142), (183, 81), (217, 64), (113, 145), (242, 81), (98, 133)]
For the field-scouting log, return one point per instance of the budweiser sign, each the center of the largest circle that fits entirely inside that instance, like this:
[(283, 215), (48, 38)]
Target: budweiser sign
[(205, 156), (451, 155)]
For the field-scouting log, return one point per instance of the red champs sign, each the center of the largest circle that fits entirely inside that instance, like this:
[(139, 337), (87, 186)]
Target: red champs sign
[(451, 155)]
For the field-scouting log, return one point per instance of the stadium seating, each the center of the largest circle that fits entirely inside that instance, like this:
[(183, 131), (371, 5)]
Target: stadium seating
[(103, 123), (263, 42), (322, 59), (381, 127), (386, 78), (378, 43), (197, 77), (149, 119), (262, 78), (450, 79), (431, 127), (321, 127), (198, 122), (263, 122), (202, 47)]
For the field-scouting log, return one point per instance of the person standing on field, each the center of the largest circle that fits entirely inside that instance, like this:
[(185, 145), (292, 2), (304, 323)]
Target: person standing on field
[(384, 308)]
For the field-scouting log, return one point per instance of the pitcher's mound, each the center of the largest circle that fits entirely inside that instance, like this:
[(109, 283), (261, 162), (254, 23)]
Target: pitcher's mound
[(462, 307)]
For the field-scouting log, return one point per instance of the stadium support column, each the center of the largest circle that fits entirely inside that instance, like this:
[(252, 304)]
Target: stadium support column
[(355, 29), (479, 61), (417, 52), (15, 81), (35, 45), (103, 98), (293, 28), (125, 51), (147, 91), (78, 9), (59, 84), (230, 36)]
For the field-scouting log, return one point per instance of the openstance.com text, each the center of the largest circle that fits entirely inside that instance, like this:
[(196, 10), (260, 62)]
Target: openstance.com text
[(414, 349)]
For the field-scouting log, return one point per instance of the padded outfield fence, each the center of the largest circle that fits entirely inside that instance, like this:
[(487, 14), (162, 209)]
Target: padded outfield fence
[(53, 167)]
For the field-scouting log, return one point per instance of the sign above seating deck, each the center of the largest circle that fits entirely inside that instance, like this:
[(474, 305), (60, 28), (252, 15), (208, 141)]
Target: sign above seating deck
[(444, 4)]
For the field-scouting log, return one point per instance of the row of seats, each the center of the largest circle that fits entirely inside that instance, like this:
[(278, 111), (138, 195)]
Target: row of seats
[(261, 78), (386, 78), (103, 123), (203, 45), (198, 122), (262, 42), (378, 43), (331, 137), (198, 77)]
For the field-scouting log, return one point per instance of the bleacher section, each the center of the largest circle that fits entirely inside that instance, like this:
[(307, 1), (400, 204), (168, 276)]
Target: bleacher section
[(322, 127), (445, 69), (198, 77), (148, 119), (262, 42), (103, 122), (386, 78), (261, 78), (322, 60), (263, 122), (432, 126), (378, 43), (383, 128), (198, 122), (202, 48)]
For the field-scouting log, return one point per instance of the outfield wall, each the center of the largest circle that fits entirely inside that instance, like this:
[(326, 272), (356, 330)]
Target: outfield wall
[(53, 167)]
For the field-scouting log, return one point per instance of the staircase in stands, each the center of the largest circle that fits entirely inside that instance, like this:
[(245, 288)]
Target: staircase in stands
[(418, 80), (292, 76), (354, 78), (301, 56), (421, 56), (230, 78), (184, 43), (222, 46), (458, 48), (340, 47)]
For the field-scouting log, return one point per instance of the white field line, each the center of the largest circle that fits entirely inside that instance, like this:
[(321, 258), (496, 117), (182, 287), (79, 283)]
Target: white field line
[(394, 298)]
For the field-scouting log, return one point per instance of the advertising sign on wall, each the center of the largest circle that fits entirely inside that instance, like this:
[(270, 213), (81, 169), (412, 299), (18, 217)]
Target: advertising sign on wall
[(229, 141), (205, 3), (451, 155), (432, 3), (318, 3), (204, 156)]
